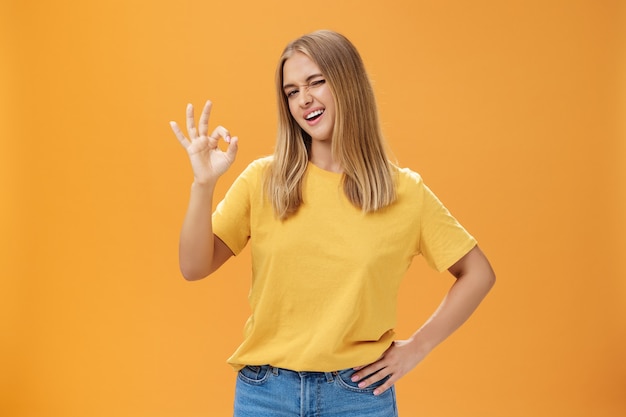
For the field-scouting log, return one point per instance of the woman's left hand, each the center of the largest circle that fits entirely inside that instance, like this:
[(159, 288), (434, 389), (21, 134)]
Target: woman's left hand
[(400, 358), (474, 279)]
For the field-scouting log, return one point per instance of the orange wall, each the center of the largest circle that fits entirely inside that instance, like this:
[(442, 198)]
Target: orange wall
[(512, 111)]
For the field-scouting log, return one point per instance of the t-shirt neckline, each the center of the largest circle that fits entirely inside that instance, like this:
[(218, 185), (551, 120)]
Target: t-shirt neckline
[(322, 172)]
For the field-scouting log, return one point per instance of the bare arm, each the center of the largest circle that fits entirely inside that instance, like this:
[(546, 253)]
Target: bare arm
[(474, 279), (200, 252)]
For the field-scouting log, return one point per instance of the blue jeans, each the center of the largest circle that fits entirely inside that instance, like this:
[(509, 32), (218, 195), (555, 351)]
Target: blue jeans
[(265, 391)]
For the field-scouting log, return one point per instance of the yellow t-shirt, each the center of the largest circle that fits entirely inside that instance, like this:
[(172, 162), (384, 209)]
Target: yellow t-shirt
[(325, 281)]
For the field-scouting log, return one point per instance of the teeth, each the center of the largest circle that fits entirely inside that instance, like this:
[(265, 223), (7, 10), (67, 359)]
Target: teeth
[(313, 114)]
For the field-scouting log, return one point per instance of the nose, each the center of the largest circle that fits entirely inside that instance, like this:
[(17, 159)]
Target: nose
[(305, 97)]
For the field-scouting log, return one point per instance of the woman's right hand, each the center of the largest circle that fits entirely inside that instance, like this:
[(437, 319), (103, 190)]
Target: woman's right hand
[(207, 160)]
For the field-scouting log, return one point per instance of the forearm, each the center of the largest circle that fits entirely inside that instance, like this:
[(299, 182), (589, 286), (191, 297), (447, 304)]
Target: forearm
[(474, 280), (196, 246), (466, 294)]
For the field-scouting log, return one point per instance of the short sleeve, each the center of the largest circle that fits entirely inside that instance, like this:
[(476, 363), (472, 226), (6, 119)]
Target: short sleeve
[(443, 241), (231, 218)]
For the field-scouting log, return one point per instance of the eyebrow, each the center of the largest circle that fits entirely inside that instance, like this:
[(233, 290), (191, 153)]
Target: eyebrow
[(308, 79)]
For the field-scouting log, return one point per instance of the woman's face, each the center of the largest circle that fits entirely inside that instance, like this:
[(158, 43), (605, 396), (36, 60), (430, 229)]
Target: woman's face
[(310, 100)]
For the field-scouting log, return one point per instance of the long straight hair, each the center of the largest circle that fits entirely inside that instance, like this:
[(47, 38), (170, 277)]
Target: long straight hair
[(357, 140)]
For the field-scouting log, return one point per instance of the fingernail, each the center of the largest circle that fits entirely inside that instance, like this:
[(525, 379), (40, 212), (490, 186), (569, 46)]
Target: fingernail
[(227, 139), (376, 392), (362, 384), (355, 378)]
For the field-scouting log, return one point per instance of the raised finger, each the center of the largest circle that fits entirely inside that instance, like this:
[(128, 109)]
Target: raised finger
[(179, 134), (203, 125), (191, 124)]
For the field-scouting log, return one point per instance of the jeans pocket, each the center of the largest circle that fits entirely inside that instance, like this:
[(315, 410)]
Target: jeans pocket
[(253, 374), (344, 380)]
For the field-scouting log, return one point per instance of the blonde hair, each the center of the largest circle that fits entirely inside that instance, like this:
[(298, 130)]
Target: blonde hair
[(357, 140)]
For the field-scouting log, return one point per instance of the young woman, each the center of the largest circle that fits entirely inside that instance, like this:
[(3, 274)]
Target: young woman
[(333, 227)]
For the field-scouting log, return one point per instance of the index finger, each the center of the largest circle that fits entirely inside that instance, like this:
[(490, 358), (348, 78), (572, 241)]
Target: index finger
[(203, 125), (222, 132)]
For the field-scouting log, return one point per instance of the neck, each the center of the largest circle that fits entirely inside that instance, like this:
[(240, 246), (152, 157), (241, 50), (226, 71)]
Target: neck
[(322, 156)]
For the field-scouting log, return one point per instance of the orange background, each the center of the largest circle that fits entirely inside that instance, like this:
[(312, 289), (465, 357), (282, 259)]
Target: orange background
[(512, 111)]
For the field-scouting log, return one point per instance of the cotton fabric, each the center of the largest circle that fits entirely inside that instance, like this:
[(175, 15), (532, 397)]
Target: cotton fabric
[(325, 281)]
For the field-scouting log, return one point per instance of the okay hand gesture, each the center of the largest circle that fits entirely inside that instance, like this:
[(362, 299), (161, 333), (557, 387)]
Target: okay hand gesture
[(207, 160)]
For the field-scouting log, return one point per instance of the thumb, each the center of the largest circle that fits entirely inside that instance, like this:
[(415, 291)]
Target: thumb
[(233, 146)]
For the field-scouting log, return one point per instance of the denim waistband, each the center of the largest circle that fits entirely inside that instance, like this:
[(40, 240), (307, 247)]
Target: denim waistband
[(330, 376)]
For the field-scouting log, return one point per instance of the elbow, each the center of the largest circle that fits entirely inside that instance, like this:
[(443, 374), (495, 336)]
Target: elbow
[(491, 278), (488, 274), (476, 265), (194, 267), (191, 273), (191, 276)]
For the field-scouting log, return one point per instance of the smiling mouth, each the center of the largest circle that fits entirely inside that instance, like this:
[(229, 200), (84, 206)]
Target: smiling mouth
[(314, 115)]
